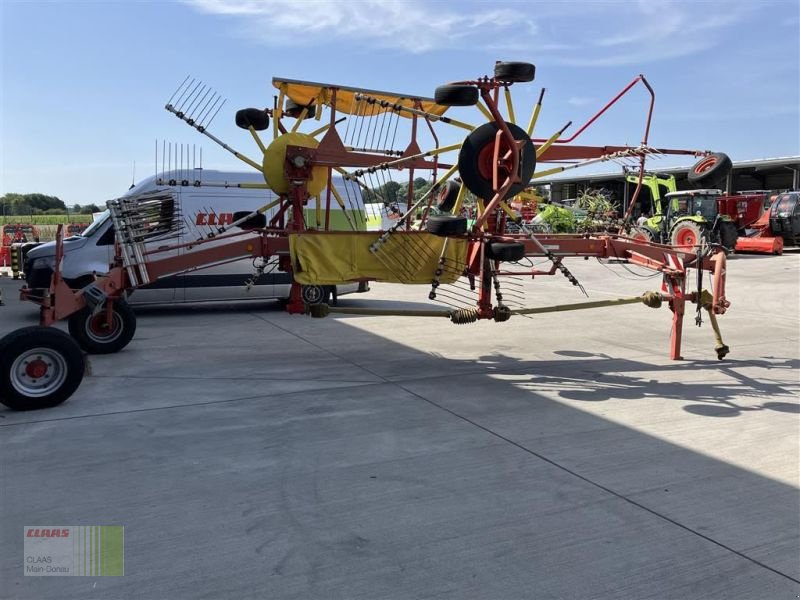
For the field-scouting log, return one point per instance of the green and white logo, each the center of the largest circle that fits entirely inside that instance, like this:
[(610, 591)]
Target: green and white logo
[(91, 551)]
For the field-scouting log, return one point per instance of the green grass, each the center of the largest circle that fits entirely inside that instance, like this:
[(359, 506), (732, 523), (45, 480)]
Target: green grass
[(46, 219)]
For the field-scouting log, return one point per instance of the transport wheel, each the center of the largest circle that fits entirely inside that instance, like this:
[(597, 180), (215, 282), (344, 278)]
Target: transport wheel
[(514, 72), (257, 221), (293, 109), (316, 294), (94, 334), (456, 95), (710, 171), (476, 157), (686, 233), (446, 225), (447, 196), (505, 251), (728, 235), (255, 117), (640, 234), (40, 367)]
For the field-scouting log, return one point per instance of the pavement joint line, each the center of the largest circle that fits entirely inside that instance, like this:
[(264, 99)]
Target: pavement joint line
[(600, 486), (192, 378), (187, 405)]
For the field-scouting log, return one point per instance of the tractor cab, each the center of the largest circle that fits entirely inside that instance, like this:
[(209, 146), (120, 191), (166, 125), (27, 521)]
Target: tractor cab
[(784, 217), (700, 205)]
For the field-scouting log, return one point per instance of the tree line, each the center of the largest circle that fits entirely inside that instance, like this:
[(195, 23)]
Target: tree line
[(41, 204)]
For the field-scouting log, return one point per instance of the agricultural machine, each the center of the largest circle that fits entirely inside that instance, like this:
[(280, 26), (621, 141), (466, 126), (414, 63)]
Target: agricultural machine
[(469, 269)]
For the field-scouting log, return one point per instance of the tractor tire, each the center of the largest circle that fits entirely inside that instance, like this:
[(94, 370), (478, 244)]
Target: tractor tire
[(447, 196), (728, 235), (514, 72), (456, 95), (316, 294), (93, 334), (40, 367), (475, 160), (446, 225), (256, 118), (505, 251), (641, 234), (710, 171), (293, 109), (686, 233)]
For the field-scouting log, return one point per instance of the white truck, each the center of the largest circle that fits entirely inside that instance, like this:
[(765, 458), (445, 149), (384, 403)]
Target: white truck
[(206, 200)]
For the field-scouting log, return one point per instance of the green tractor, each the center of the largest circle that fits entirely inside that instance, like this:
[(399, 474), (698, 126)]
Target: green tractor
[(685, 218)]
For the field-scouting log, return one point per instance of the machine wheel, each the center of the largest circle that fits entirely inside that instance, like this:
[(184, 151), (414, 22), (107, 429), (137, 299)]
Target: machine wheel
[(641, 234), (505, 251), (728, 235), (456, 95), (446, 225), (255, 117), (514, 72), (316, 294), (95, 336), (710, 171), (686, 233), (447, 196), (476, 156), (293, 109), (257, 221), (40, 367)]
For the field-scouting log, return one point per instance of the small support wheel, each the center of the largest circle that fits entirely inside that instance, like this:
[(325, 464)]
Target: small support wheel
[(316, 294), (447, 196), (95, 335), (256, 118), (40, 367), (722, 351), (456, 95), (505, 251), (446, 225), (514, 72)]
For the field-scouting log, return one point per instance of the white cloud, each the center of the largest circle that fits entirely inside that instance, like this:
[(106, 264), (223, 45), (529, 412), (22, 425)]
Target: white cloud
[(408, 25), (580, 100), (591, 33)]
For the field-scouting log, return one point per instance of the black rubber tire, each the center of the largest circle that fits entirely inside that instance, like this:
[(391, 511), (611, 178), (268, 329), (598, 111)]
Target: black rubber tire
[(456, 95), (447, 196), (710, 171), (514, 72), (293, 109), (90, 331), (641, 233), (446, 225), (315, 294), (257, 221), (698, 232), (258, 118), (505, 251), (51, 340), (728, 235), (468, 159)]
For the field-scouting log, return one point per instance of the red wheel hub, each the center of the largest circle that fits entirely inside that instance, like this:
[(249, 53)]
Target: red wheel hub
[(99, 325), (705, 165), (486, 160), (36, 369), (686, 237)]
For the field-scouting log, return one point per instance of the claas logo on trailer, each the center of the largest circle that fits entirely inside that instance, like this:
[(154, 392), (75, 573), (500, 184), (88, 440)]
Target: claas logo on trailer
[(206, 218)]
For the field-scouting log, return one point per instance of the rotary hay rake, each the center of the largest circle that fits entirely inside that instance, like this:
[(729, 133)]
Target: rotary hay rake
[(473, 268)]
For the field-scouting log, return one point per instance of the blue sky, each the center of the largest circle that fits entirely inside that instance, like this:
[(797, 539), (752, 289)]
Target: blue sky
[(84, 83)]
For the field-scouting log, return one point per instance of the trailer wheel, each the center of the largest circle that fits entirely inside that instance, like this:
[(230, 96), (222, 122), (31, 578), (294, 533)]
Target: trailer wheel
[(456, 95), (95, 336), (686, 233), (447, 196), (477, 154), (514, 72), (728, 235), (316, 294), (505, 251), (256, 118), (710, 171), (40, 367), (446, 225)]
